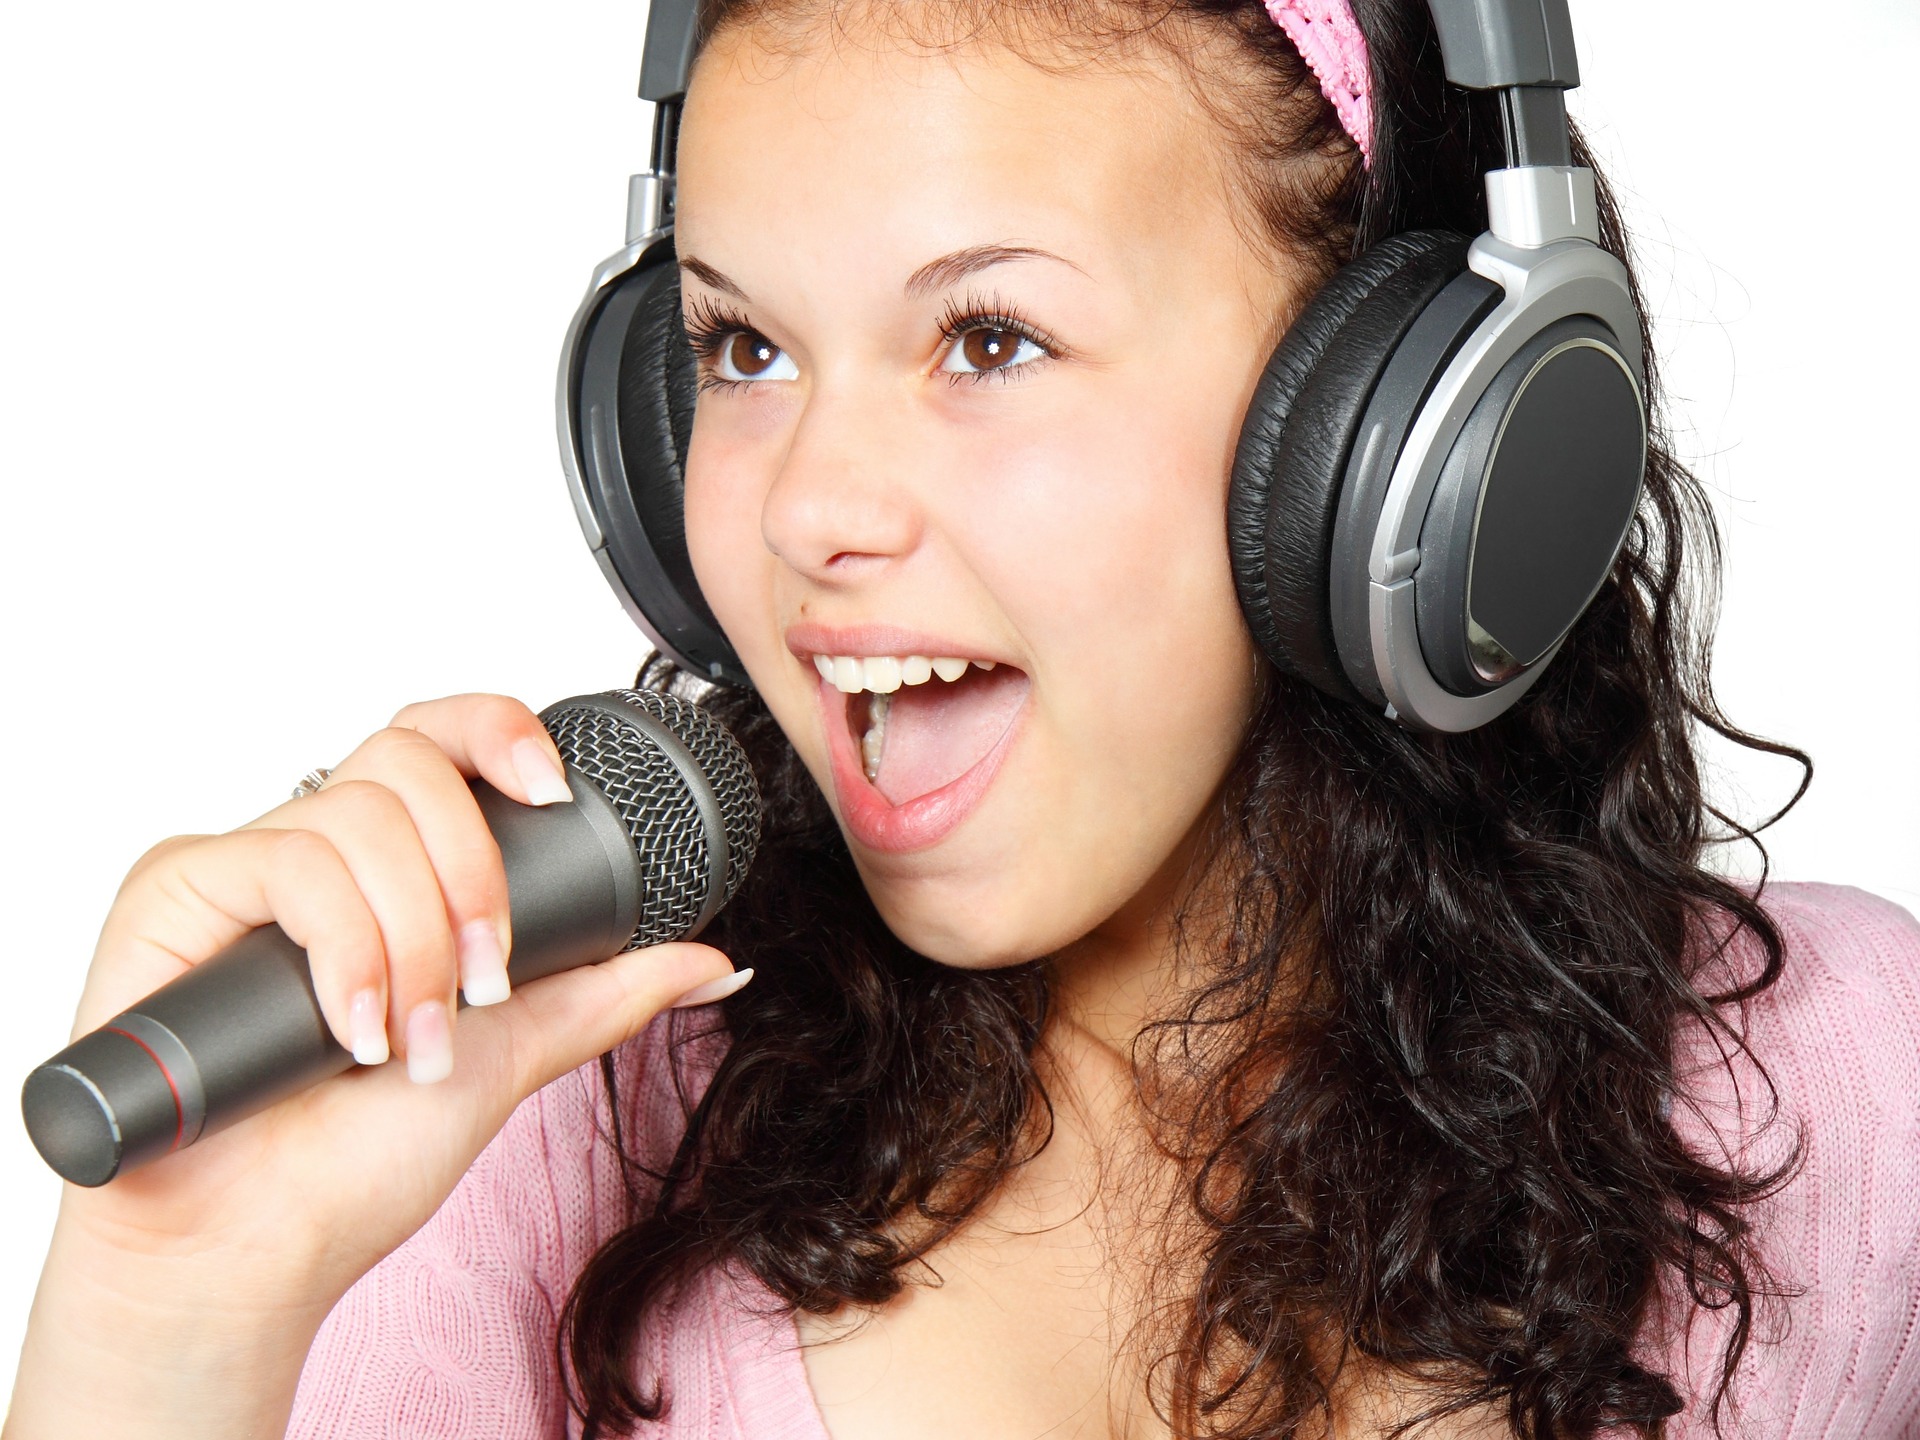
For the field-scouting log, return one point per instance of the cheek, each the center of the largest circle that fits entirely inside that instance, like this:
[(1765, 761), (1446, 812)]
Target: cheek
[(729, 474), (1109, 523), (725, 495), (1104, 544)]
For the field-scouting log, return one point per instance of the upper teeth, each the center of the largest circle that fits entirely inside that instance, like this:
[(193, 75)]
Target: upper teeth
[(884, 674)]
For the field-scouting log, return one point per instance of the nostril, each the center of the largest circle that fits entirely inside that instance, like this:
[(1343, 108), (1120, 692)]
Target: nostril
[(840, 539), (848, 559)]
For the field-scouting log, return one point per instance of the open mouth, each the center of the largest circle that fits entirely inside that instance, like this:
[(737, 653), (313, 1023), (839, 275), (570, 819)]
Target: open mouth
[(918, 723)]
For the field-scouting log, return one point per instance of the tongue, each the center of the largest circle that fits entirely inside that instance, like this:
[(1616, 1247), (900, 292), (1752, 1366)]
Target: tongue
[(938, 731)]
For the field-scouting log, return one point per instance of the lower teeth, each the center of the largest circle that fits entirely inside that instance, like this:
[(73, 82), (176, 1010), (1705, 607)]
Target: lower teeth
[(875, 739)]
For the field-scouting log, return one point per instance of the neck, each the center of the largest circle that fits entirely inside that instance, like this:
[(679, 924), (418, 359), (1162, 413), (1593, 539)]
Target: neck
[(1133, 969)]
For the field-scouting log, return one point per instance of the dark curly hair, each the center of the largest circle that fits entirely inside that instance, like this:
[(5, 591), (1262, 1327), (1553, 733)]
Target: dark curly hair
[(1422, 1092)]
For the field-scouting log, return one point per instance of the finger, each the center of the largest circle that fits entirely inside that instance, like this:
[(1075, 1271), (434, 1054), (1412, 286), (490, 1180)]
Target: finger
[(557, 1024), (186, 901), (370, 827), (497, 738), (462, 851)]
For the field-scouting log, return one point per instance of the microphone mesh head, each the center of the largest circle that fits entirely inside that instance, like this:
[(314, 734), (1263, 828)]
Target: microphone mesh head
[(614, 747)]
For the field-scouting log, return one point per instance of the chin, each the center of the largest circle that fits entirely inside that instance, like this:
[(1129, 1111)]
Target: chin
[(982, 932), (967, 950)]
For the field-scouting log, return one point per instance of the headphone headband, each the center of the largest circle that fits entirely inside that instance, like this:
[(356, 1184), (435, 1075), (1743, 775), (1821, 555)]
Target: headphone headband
[(668, 55), (1484, 44), (1500, 44), (1522, 48), (1506, 45)]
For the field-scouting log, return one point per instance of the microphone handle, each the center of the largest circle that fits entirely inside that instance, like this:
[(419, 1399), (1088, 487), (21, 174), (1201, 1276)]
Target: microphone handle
[(243, 1029)]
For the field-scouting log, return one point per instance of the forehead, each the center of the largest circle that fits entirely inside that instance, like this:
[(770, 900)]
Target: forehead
[(871, 140)]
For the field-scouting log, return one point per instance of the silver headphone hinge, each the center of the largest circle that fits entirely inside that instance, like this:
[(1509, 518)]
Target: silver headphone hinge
[(1535, 205), (648, 198)]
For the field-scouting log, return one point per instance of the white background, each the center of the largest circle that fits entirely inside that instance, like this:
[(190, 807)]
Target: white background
[(283, 288)]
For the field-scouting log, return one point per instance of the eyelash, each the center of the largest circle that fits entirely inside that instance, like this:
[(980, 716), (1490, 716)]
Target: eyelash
[(710, 325), (993, 313)]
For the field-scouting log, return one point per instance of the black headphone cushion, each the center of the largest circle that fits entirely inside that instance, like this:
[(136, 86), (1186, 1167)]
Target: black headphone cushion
[(635, 383), (1298, 435), (659, 383)]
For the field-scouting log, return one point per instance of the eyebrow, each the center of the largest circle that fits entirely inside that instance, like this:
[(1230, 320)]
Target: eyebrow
[(937, 275), (934, 276), (710, 276)]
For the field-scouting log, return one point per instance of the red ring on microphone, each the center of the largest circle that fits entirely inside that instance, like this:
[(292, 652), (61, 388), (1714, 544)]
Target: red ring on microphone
[(179, 1115)]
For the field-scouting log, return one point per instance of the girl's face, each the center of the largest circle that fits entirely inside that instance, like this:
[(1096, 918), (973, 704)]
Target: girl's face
[(976, 341)]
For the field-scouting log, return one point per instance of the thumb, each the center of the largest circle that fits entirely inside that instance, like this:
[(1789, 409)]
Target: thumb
[(567, 1019)]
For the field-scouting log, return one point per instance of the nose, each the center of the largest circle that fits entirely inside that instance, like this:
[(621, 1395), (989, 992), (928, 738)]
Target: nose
[(841, 507)]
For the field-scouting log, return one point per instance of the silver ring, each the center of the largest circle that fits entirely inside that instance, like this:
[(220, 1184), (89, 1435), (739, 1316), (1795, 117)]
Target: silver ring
[(312, 781)]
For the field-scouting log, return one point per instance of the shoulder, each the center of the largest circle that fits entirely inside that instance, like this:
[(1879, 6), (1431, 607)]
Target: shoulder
[(1838, 1030), (1832, 1068), (1850, 936), (1844, 1016)]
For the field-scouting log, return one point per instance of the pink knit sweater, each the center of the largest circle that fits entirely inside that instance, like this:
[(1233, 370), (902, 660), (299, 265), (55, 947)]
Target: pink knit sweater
[(452, 1335)]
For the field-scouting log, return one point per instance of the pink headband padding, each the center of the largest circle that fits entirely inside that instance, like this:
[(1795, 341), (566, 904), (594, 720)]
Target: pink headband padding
[(1324, 33)]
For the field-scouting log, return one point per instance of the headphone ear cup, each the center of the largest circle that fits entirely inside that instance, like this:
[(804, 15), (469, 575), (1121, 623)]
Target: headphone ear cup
[(1296, 442), (635, 383), (657, 387), (659, 383)]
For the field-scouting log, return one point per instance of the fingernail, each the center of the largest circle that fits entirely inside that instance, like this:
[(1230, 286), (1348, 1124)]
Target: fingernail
[(483, 969), (713, 990), (429, 1043), (540, 773), (367, 1024)]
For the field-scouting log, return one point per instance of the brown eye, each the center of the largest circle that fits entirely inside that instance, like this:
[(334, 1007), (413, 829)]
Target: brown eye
[(987, 348), (747, 355), (751, 354)]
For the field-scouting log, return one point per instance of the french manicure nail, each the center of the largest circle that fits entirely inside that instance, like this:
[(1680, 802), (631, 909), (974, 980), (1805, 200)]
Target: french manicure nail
[(714, 989), (429, 1043), (545, 781), (483, 969), (367, 1024)]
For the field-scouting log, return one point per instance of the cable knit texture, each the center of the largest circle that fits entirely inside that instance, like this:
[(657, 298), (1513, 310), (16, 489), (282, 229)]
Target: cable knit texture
[(1329, 40), (453, 1334)]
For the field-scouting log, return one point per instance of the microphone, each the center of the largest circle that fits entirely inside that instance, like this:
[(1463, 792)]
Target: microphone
[(663, 825)]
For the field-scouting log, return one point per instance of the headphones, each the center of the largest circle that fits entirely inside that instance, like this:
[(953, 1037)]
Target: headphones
[(1436, 471)]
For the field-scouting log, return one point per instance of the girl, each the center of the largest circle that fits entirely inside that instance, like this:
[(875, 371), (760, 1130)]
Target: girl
[(1138, 1040)]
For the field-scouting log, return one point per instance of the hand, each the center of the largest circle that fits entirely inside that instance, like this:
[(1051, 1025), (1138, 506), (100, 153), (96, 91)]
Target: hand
[(391, 882)]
